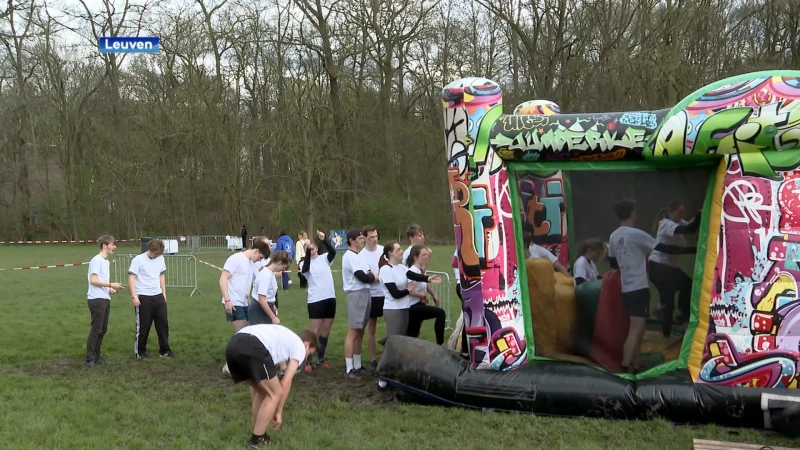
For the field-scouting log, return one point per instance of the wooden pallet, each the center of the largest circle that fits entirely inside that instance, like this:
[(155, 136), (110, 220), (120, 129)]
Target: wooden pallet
[(701, 444)]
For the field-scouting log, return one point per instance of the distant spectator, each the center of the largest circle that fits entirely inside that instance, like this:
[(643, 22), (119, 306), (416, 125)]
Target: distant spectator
[(285, 244), (244, 236), (299, 254)]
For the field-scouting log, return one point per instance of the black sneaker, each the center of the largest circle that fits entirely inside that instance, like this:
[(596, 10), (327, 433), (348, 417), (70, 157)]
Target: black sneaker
[(91, 364), (373, 365), (361, 371), (262, 442), (352, 375), (142, 356), (100, 362), (166, 355)]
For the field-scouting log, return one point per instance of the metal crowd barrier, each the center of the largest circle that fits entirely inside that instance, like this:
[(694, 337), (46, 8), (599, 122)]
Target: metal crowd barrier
[(442, 291), (181, 271)]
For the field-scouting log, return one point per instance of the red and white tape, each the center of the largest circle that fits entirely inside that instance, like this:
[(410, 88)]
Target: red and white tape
[(82, 241), (220, 268), (47, 267)]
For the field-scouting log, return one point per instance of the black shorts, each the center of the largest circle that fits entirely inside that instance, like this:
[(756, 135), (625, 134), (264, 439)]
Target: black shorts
[(376, 309), (323, 309), (248, 359), (637, 303)]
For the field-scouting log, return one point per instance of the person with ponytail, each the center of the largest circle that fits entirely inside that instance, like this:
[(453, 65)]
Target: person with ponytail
[(585, 270), (664, 269)]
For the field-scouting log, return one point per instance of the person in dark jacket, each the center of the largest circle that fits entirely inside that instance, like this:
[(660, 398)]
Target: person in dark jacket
[(285, 243)]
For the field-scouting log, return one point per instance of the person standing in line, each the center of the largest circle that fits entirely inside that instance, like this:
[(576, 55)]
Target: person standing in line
[(371, 254), (396, 286), (147, 282), (321, 294), (252, 354), (356, 280), (627, 248), (419, 310), (243, 234), (285, 244), (235, 283), (98, 298), (299, 254), (416, 236)]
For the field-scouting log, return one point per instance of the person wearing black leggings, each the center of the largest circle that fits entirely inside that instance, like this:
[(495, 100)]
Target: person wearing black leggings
[(664, 270), (419, 310)]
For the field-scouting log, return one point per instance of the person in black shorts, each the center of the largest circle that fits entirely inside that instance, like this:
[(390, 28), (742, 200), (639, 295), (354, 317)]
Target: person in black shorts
[(251, 355), (321, 293)]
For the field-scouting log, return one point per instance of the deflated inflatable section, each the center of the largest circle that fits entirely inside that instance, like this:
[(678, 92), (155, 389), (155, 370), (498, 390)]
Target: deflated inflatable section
[(429, 372)]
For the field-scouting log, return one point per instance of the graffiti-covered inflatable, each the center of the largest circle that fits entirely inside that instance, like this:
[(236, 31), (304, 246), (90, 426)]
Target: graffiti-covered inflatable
[(741, 349)]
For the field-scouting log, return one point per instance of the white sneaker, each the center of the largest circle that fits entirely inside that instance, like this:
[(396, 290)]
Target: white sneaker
[(226, 371)]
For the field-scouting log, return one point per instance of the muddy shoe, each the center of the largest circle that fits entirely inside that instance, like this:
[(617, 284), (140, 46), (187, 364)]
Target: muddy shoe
[(373, 366), (352, 375)]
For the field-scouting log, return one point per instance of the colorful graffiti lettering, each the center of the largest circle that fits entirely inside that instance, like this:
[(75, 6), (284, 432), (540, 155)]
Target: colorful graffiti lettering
[(543, 203), (560, 137), (640, 119), (754, 336)]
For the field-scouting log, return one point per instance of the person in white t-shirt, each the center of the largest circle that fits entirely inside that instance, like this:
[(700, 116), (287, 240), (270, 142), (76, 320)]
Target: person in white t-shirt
[(262, 309), (416, 236), (356, 280), (396, 289), (419, 310), (321, 293), (236, 281), (251, 355), (460, 295), (148, 284), (371, 254), (585, 270), (665, 271), (537, 251), (627, 250), (98, 298)]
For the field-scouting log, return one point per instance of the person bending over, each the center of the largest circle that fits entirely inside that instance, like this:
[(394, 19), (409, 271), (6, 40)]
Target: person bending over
[(147, 282), (251, 356), (627, 248)]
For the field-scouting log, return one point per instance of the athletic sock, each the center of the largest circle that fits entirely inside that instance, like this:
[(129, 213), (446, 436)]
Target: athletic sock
[(356, 362), (323, 344), (349, 363)]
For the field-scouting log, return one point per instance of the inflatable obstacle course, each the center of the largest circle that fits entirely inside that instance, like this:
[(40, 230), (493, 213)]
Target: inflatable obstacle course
[(536, 343)]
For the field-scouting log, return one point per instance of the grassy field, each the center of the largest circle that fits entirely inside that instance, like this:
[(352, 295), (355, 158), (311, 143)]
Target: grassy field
[(50, 400)]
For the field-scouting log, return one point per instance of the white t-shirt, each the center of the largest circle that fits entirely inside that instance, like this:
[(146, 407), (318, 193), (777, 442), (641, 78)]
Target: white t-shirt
[(352, 263), (405, 254), (666, 235), (281, 343), (267, 285), (256, 271), (629, 245), (148, 274), (241, 270), (320, 279), (372, 258), (456, 272), (98, 266), (585, 269), (538, 251), (397, 275), (419, 286)]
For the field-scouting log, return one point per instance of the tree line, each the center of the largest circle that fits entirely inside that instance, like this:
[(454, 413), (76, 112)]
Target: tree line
[(303, 113)]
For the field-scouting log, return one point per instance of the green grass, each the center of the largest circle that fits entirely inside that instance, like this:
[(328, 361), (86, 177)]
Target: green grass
[(50, 400)]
